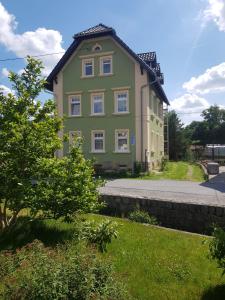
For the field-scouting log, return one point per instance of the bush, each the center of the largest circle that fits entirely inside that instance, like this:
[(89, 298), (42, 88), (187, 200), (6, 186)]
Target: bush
[(72, 272), (101, 234), (141, 216), (217, 247), (137, 168), (164, 162)]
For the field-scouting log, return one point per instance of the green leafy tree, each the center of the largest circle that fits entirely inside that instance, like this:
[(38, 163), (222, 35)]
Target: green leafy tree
[(210, 130), (177, 141), (30, 176)]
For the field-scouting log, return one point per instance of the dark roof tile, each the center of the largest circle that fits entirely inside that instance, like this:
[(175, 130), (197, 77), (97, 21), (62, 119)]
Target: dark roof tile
[(148, 56), (93, 30)]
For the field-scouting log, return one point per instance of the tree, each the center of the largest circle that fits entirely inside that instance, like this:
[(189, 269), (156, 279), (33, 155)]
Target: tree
[(210, 130), (31, 177), (177, 141)]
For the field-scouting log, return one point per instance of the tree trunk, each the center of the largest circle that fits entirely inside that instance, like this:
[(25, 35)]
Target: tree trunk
[(6, 221)]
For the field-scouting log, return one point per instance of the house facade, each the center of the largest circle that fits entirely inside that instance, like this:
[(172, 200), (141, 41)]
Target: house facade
[(111, 97)]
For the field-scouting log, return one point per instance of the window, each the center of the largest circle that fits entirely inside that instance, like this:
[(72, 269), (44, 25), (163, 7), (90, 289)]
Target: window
[(96, 47), (73, 135), (106, 65), (98, 141), (97, 104), (122, 140), (121, 102), (75, 105), (88, 67)]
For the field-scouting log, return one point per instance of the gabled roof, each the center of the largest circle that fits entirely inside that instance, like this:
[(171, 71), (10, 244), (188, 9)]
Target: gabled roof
[(103, 30), (93, 30)]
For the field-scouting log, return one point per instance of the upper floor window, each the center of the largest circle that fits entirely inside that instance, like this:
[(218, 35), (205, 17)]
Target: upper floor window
[(97, 104), (75, 105), (73, 136), (88, 67), (121, 102), (106, 65), (98, 141), (122, 140)]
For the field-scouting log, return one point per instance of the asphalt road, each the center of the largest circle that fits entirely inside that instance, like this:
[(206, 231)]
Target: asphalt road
[(211, 192)]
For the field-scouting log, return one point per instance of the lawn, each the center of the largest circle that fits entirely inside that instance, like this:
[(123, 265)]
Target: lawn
[(178, 171), (154, 263)]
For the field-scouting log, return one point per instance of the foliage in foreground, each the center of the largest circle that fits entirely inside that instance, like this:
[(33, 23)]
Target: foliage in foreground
[(141, 216), (31, 177), (217, 247), (99, 235), (72, 272)]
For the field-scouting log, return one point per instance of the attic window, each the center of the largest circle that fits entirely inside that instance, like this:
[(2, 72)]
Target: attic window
[(96, 47)]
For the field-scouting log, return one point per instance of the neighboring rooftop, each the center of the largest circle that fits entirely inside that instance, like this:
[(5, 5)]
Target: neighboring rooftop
[(148, 56)]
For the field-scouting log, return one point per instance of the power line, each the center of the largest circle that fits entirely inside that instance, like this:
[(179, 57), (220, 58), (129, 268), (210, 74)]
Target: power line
[(40, 55)]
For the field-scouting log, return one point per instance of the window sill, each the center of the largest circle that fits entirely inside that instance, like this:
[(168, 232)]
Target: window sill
[(122, 152), (98, 152), (71, 116), (121, 113), (85, 77), (97, 115), (105, 75)]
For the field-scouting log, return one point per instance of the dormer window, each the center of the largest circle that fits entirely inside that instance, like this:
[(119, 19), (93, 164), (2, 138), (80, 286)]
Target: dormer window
[(96, 47)]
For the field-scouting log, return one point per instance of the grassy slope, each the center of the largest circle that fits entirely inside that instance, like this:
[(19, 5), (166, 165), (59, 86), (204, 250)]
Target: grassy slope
[(162, 264), (179, 171), (154, 263)]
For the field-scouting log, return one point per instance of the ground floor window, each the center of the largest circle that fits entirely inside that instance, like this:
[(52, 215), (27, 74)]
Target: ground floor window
[(98, 141), (122, 140)]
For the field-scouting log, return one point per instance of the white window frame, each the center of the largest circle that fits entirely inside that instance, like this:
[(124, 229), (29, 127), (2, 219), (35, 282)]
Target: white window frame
[(93, 132), (117, 131), (73, 133), (92, 104), (70, 103), (88, 60), (102, 63), (116, 93)]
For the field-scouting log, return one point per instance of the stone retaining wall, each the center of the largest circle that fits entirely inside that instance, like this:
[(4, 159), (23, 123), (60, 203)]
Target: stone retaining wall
[(189, 217)]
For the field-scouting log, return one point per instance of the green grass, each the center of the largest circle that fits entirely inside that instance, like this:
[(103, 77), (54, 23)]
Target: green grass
[(178, 171), (162, 264), (154, 263)]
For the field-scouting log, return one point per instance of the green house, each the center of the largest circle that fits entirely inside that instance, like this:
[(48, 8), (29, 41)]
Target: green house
[(113, 98)]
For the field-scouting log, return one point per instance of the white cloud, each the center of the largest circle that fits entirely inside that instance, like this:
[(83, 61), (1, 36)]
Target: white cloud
[(5, 90), (189, 107), (213, 80), (38, 42), (215, 12), (189, 103), (5, 72)]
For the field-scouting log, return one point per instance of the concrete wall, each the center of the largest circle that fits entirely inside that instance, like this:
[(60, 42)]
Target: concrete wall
[(184, 216)]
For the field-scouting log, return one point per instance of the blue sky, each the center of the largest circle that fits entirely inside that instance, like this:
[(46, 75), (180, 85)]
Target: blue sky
[(188, 36)]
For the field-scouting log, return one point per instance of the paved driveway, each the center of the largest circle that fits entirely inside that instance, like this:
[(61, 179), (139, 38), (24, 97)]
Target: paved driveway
[(211, 192)]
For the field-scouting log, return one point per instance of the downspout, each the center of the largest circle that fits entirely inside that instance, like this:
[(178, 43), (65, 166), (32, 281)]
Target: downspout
[(142, 88)]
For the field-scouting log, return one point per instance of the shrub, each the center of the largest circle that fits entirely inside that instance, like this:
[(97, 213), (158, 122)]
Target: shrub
[(141, 216), (137, 168), (217, 247), (72, 272), (164, 162), (99, 235)]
